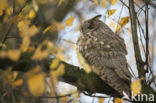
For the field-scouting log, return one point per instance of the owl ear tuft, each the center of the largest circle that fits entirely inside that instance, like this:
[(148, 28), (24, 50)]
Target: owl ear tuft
[(96, 17)]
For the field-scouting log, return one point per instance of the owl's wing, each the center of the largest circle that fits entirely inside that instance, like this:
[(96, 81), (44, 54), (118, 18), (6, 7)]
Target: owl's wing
[(107, 52)]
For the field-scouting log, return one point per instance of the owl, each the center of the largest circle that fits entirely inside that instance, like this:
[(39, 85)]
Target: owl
[(103, 52)]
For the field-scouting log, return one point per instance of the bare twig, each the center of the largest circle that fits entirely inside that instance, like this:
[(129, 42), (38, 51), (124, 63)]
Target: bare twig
[(139, 61), (119, 18), (61, 96), (87, 94), (147, 37), (124, 3), (6, 34)]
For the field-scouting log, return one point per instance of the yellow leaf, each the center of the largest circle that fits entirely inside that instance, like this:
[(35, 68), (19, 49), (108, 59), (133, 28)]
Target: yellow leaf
[(136, 87), (30, 49), (14, 54), (101, 100), (25, 44), (33, 30), (3, 54), (9, 11), (56, 73), (35, 5), (2, 45), (60, 2), (124, 21), (39, 54), (75, 93), (113, 1), (32, 14), (118, 100), (95, 2), (69, 21), (83, 62), (60, 56), (59, 26), (8, 75), (104, 3), (3, 4), (14, 75), (1, 12), (111, 12), (52, 27), (33, 71), (25, 28), (64, 99), (118, 28), (54, 63), (21, 2), (36, 84), (17, 83), (61, 69), (113, 25)]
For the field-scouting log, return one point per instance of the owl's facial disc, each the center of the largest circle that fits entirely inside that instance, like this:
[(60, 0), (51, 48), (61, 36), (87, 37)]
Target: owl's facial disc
[(86, 26)]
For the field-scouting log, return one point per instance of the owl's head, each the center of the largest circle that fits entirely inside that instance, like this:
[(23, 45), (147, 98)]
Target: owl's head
[(90, 24)]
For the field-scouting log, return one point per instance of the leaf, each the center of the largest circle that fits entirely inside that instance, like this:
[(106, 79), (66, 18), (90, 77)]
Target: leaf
[(35, 5), (54, 63), (118, 28), (52, 27), (113, 1), (69, 21), (60, 56), (101, 100), (14, 54), (2, 45), (60, 2), (124, 21), (3, 54), (83, 62), (75, 93), (104, 3), (25, 28), (18, 82), (9, 11), (59, 26), (56, 73), (60, 69), (36, 84), (32, 14), (1, 12), (64, 99), (30, 49), (111, 12), (3, 4), (95, 2), (113, 24), (39, 54), (118, 100), (25, 44), (136, 87), (21, 2)]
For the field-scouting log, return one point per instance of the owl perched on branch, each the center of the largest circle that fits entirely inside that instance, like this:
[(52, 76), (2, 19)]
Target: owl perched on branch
[(100, 50)]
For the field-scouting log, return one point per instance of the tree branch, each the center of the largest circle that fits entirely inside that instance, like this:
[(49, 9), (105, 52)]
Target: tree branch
[(89, 82), (139, 61)]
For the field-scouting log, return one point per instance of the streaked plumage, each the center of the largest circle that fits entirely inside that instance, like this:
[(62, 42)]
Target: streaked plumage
[(104, 52)]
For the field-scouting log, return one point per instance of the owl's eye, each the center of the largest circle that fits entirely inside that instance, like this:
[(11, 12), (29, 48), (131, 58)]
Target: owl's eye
[(90, 26)]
